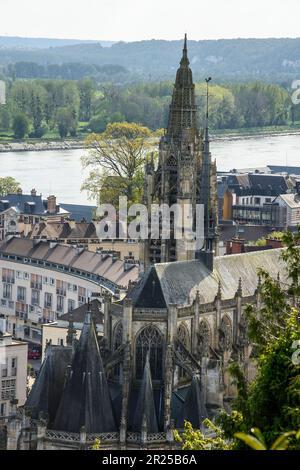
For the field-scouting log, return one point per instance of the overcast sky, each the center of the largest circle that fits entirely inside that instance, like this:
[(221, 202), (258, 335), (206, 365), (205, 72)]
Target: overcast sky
[(131, 20)]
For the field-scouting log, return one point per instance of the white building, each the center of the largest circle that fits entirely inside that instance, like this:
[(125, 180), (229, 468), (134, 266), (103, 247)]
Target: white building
[(41, 280), (13, 371), (291, 204)]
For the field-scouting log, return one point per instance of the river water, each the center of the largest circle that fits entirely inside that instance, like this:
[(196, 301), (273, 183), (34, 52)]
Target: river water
[(60, 172)]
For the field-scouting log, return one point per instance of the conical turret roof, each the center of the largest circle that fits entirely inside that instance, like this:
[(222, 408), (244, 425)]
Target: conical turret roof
[(86, 399)]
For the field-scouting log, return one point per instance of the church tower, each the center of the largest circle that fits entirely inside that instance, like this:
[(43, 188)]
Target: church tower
[(184, 175)]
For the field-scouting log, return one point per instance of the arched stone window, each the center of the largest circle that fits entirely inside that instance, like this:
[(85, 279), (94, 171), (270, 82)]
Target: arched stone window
[(225, 334), (204, 338), (118, 335), (183, 335), (149, 339)]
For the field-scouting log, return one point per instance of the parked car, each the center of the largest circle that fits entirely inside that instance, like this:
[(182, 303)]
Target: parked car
[(34, 353)]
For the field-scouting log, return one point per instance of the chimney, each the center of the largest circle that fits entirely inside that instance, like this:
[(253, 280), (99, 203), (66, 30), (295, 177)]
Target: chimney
[(33, 192), (51, 204), (237, 246), (19, 191)]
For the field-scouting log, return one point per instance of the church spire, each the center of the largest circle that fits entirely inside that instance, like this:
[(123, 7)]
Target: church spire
[(184, 61), (183, 109)]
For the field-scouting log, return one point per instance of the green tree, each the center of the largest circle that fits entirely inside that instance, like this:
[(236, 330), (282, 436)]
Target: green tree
[(20, 125), (116, 159), (8, 185), (272, 401), (4, 118), (194, 439), (66, 122), (86, 93)]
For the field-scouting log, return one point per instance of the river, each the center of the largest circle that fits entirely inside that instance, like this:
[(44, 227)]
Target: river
[(60, 172)]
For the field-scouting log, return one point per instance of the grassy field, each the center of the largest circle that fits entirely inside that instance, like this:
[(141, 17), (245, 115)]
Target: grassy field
[(53, 135)]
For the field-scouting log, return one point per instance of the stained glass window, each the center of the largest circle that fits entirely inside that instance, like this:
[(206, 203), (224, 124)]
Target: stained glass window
[(149, 339)]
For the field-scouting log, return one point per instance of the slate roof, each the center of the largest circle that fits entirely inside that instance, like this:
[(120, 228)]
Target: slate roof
[(78, 314), (63, 230), (47, 388), (180, 280), (257, 183), (246, 232), (80, 212), (28, 204), (291, 170), (292, 200), (194, 409), (87, 261), (145, 405), (86, 399)]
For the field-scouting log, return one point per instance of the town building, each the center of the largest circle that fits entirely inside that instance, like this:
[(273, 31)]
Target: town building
[(13, 372), (41, 280), (84, 234), (247, 198), (20, 212), (290, 207)]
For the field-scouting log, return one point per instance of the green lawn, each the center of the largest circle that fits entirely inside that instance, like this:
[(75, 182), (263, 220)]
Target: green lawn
[(53, 135)]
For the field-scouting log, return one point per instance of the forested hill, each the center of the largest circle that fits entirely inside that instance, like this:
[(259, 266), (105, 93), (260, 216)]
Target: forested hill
[(275, 60), (17, 42)]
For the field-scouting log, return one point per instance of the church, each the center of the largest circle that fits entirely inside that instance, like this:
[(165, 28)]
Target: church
[(167, 345)]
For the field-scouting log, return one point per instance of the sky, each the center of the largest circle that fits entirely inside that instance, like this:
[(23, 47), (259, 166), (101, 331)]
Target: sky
[(134, 20)]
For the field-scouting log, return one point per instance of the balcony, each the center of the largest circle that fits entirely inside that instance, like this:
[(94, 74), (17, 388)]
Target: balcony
[(8, 280), (60, 291), (36, 285)]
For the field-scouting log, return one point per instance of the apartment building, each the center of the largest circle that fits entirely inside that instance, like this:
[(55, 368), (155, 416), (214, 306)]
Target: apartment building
[(13, 371), (41, 280)]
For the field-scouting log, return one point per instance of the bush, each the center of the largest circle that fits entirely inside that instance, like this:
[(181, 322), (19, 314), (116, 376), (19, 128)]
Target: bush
[(20, 125)]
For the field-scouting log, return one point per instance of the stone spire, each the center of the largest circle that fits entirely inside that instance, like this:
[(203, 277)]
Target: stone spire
[(183, 110), (86, 399), (145, 407)]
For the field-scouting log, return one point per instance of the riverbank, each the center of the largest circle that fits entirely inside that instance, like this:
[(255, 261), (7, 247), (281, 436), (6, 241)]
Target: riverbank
[(224, 134), (41, 146), (239, 134)]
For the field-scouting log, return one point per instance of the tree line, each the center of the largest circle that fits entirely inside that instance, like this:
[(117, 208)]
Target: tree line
[(63, 107)]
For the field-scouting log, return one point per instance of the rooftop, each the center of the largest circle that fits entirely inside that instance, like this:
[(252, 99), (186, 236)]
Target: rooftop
[(96, 267), (28, 204), (178, 282), (292, 200)]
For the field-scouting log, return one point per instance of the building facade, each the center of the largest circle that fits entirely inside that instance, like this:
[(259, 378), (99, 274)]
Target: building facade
[(41, 280), (19, 213), (13, 372)]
